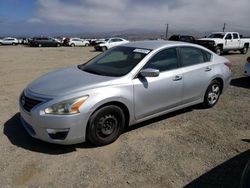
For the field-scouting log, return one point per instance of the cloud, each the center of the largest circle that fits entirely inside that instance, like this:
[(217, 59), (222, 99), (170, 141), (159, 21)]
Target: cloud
[(79, 16), (125, 14)]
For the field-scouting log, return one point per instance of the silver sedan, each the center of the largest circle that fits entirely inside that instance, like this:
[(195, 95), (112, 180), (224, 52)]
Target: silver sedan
[(123, 86)]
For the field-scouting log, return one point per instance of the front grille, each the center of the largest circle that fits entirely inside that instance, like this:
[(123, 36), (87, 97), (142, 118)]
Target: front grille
[(29, 103)]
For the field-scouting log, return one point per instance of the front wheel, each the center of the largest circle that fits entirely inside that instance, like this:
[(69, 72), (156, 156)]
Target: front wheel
[(244, 50), (105, 125), (104, 48), (212, 94), (218, 50)]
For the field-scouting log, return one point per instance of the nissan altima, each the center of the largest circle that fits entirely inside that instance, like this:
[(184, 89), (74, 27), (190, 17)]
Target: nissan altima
[(123, 86)]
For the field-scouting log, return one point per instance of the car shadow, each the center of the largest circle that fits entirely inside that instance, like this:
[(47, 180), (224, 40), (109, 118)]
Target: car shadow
[(20, 138), (163, 117), (243, 82), (225, 175)]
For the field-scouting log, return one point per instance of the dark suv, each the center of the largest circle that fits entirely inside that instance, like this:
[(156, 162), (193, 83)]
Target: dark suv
[(183, 38), (44, 42)]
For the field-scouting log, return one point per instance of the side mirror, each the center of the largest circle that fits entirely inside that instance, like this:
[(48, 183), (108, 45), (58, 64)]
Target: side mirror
[(149, 73)]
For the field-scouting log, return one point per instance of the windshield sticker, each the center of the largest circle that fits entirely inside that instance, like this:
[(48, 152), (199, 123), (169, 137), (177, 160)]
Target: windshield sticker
[(142, 51)]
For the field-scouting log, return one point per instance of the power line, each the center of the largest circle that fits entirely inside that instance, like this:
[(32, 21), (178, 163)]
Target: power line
[(224, 27), (166, 31)]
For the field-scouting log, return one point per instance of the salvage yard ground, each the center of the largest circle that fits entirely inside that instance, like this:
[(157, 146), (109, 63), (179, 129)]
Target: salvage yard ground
[(193, 147)]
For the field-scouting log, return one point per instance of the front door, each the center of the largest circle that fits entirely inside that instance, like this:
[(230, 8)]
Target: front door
[(156, 94)]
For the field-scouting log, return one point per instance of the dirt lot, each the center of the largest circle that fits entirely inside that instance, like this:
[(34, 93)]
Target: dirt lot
[(190, 148)]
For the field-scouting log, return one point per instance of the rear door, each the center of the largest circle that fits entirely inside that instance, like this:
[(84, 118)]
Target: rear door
[(197, 72), (156, 94), (236, 41)]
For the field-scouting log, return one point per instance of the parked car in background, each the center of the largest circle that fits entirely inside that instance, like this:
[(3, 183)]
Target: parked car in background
[(77, 42), (109, 43), (123, 86), (44, 42), (183, 38), (9, 41), (247, 67), (220, 42)]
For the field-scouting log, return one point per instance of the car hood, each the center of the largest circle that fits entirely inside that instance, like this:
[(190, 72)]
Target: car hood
[(67, 81), (209, 39)]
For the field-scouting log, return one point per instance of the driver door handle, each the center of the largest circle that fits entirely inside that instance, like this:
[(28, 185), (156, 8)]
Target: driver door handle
[(177, 78), (207, 69)]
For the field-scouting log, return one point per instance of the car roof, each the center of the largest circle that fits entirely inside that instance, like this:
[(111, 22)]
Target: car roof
[(153, 44)]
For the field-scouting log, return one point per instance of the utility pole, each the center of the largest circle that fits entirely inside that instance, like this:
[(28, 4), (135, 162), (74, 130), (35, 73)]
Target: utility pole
[(166, 31), (224, 27)]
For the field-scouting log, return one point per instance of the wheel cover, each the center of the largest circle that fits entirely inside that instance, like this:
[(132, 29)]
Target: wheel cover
[(107, 125), (214, 94), (218, 51)]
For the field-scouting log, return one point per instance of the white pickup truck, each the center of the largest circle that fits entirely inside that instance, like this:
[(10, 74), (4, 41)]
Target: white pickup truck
[(220, 42)]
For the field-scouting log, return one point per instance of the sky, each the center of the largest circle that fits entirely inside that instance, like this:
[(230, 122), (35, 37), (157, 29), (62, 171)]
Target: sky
[(38, 17)]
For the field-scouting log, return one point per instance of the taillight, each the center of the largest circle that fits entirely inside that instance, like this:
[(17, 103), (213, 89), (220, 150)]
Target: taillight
[(229, 65)]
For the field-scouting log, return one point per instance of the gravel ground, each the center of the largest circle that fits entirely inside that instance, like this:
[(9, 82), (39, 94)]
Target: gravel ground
[(193, 147)]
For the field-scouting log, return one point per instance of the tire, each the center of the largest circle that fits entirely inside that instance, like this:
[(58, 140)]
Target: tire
[(13, 44), (104, 48), (212, 94), (105, 125), (39, 45), (86, 45), (244, 50), (72, 45), (58, 45), (218, 50)]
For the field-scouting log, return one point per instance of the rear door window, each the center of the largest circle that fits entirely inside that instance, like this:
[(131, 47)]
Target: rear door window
[(191, 56)]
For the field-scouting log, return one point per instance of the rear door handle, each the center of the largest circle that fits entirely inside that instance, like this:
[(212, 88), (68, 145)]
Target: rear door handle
[(207, 69), (177, 78)]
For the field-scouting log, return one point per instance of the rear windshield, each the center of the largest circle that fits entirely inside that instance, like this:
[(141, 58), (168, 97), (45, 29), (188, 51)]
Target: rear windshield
[(216, 36), (116, 62)]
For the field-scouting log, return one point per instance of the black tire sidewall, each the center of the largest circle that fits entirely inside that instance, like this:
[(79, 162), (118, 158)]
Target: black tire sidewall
[(206, 103), (91, 133), (244, 52)]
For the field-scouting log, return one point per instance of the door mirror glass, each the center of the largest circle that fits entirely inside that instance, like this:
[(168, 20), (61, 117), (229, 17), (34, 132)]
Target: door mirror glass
[(150, 72)]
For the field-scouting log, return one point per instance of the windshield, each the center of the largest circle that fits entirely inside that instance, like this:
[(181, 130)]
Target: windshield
[(216, 36), (106, 40), (116, 62)]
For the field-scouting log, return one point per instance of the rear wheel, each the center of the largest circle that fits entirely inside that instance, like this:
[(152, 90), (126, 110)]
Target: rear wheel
[(72, 45), (39, 45), (212, 94), (105, 125), (244, 50)]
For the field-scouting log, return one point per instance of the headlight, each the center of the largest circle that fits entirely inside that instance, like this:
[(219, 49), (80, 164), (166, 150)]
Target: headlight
[(67, 107)]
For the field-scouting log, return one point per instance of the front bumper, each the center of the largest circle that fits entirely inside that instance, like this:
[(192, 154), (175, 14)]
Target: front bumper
[(57, 129)]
